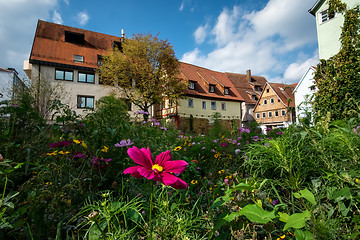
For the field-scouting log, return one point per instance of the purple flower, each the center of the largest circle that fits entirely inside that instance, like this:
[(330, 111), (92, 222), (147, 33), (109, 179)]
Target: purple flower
[(237, 151), (223, 144), (203, 148), (124, 143), (247, 130), (212, 150), (234, 142), (142, 112), (60, 144), (279, 133), (214, 141), (15, 106), (226, 181), (163, 128), (275, 202), (79, 155), (156, 123)]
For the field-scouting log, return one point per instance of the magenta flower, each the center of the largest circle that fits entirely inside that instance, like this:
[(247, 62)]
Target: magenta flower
[(60, 144), (124, 143), (162, 169)]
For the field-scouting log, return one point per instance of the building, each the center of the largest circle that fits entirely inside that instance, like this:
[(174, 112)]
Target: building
[(208, 92), (329, 27), (249, 88), (275, 107), (303, 93), (10, 84), (69, 56)]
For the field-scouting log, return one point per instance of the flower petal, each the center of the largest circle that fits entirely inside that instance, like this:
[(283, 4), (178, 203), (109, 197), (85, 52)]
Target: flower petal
[(163, 157), (133, 171), (173, 181), (141, 157), (147, 173), (176, 166)]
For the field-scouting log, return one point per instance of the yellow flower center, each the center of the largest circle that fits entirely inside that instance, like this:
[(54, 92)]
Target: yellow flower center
[(157, 168)]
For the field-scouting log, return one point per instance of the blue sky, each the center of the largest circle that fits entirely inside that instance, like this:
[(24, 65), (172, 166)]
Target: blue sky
[(273, 38)]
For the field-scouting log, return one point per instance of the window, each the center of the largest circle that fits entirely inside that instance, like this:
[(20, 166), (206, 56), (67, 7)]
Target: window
[(213, 105), (267, 90), (211, 88), (254, 97), (191, 85), (73, 37), (257, 115), (63, 75), (272, 101), (203, 105), (270, 114), (226, 91), (276, 113), (265, 101), (283, 112), (86, 77), (85, 102), (264, 115), (325, 16), (171, 103), (190, 103), (99, 59), (223, 106), (257, 88), (78, 58)]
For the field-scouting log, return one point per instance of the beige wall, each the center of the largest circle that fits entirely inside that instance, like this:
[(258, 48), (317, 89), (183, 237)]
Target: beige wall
[(277, 105), (232, 109), (72, 89)]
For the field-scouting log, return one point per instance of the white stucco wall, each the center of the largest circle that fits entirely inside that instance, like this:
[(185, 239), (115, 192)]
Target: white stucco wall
[(329, 32), (303, 92)]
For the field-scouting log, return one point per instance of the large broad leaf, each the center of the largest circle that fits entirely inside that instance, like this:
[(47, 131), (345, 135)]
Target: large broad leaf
[(284, 217), (221, 201), (254, 213), (297, 220), (305, 193)]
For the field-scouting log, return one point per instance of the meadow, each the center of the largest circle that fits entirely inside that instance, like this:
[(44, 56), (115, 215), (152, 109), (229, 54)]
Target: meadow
[(66, 180)]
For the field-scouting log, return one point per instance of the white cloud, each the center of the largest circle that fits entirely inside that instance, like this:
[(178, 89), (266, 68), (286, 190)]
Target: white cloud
[(83, 18), (18, 19), (67, 2), (200, 34), (262, 41), (182, 6), (295, 71), (57, 17)]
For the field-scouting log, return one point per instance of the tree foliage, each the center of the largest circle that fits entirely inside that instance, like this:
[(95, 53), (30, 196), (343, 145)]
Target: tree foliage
[(338, 78), (145, 70)]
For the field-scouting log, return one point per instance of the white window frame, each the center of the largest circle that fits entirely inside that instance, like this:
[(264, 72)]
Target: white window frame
[(211, 88), (226, 91), (213, 105), (191, 85), (272, 101), (265, 101), (270, 114), (283, 112), (204, 105), (257, 115), (276, 113), (264, 115)]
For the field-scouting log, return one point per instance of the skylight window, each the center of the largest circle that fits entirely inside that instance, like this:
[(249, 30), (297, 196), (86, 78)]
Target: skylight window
[(73, 37)]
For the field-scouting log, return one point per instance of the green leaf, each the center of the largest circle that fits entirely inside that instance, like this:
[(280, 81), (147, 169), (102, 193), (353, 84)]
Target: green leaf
[(303, 235), (256, 214), (284, 217), (305, 193), (133, 215), (243, 186), (297, 220)]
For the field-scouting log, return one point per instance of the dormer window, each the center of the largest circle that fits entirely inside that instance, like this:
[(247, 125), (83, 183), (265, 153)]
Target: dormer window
[(226, 91), (78, 58), (191, 85), (211, 88), (73, 37), (257, 88)]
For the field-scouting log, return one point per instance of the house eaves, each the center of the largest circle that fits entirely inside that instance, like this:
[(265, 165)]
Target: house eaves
[(316, 7)]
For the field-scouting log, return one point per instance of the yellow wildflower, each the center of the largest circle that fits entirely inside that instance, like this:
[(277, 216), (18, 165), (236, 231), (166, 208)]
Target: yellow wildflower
[(221, 171), (177, 148), (194, 182), (53, 153), (48, 183), (104, 149), (77, 141), (83, 144)]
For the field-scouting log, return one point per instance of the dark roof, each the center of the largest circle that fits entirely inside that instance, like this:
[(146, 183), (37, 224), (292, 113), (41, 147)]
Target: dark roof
[(243, 86), (315, 7), (203, 77), (4, 70), (50, 46)]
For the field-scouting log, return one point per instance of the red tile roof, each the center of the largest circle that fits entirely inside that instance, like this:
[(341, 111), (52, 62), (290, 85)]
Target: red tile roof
[(244, 87), (284, 92), (202, 77), (49, 45)]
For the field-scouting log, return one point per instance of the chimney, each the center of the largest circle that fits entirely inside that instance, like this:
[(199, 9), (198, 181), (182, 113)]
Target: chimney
[(122, 33), (248, 75)]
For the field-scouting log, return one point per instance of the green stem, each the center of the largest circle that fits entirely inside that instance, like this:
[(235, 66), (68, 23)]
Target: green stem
[(151, 203), (3, 195), (102, 232)]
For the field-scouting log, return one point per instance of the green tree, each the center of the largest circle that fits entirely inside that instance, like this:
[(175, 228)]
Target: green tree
[(338, 78), (145, 70)]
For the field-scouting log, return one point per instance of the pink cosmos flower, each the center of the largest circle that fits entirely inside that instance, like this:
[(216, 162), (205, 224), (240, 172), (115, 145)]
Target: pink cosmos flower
[(162, 169), (124, 143)]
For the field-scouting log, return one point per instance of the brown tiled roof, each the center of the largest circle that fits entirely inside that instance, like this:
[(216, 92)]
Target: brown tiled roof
[(284, 92), (50, 46), (4, 70), (202, 77), (243, 86)]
